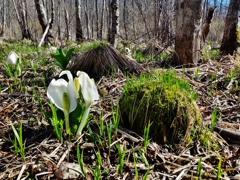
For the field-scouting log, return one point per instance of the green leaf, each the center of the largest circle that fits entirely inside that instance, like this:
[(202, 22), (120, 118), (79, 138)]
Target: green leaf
[(75, 117), (61, 58)]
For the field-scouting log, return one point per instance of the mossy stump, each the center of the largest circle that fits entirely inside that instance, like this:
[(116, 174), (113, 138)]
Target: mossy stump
[(164, 100)]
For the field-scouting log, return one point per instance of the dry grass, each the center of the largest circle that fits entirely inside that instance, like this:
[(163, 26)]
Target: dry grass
[(104, 60)]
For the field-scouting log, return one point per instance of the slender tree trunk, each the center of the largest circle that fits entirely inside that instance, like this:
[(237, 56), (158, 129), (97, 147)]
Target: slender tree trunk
[(109, 21), (139, 6), (87, 19), (125, 18), (220, 7), (229, 41), (114, 22), (68, 35), (96, 14), (133, 21), (157, 12), (42, 17), (9, 22), (188, 15), (92, 25), (102, 20), (21, 17), (59, 20), (79, 32), (2, 31)]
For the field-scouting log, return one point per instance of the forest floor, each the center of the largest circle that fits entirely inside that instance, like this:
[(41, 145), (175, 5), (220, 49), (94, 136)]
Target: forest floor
[(22, 100)]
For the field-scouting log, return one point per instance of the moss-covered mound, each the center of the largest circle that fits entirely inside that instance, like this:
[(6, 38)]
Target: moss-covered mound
[(166, 101)]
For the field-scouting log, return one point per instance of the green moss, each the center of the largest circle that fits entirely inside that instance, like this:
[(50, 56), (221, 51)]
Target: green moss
[(165, 100)]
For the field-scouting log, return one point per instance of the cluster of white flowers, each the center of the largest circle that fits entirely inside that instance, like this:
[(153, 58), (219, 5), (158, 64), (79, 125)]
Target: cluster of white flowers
[(64, 95)]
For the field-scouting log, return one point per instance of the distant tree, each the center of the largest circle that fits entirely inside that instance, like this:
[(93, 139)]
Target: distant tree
[(114, 22), (67, 22), (102, 20), (79, 31), (229, 41), (42, 17), (144, 18), (96, 20), (59, 16), (21, 12), (87, 19), (125, 18), (3, 25), (188, 14)]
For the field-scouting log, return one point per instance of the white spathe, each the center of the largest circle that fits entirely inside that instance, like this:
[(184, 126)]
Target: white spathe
[(55, 92), (88, 88), (74, 84), (12, 58), (90, 94)]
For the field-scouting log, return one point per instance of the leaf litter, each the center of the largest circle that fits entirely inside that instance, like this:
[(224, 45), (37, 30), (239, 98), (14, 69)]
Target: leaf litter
[(47, 158)]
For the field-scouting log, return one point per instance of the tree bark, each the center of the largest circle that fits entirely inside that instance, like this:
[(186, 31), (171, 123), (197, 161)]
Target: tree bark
[(133, 21), (229, 41), (188, 15), (79, 32), (87, 19), (125, 18), (22, 20), (206, 25), (139, 6), (2, 29), (96, 14), (42, 17), (66, 15), (102, 20), (114, 22), (59, 20), (109, 21)]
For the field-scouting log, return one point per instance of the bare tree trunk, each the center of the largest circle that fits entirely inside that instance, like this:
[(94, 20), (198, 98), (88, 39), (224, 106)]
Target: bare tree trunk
[(102, 20), (229, 41), (59, 20), (2, 29), (87, 19), (188, 15), (92, 26), (96, 14), (9, 20), (42, 17), (68, 35), (109, 21), (206, 25), (79, 32), (220, 7), (114, 22), (125, 18), (164, 22), (139, 6), (26, 33), (133, 22), (157, 12)]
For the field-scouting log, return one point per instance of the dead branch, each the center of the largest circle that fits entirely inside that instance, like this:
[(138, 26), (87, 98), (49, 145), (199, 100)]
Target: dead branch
[(206, 25)]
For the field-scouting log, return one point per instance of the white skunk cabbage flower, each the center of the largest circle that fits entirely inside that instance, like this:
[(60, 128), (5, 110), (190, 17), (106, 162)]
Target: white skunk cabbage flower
[(12, 58), (88, 88), (73, 83), (52, 49), (128, 51), (62, 96), (89, 93)]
